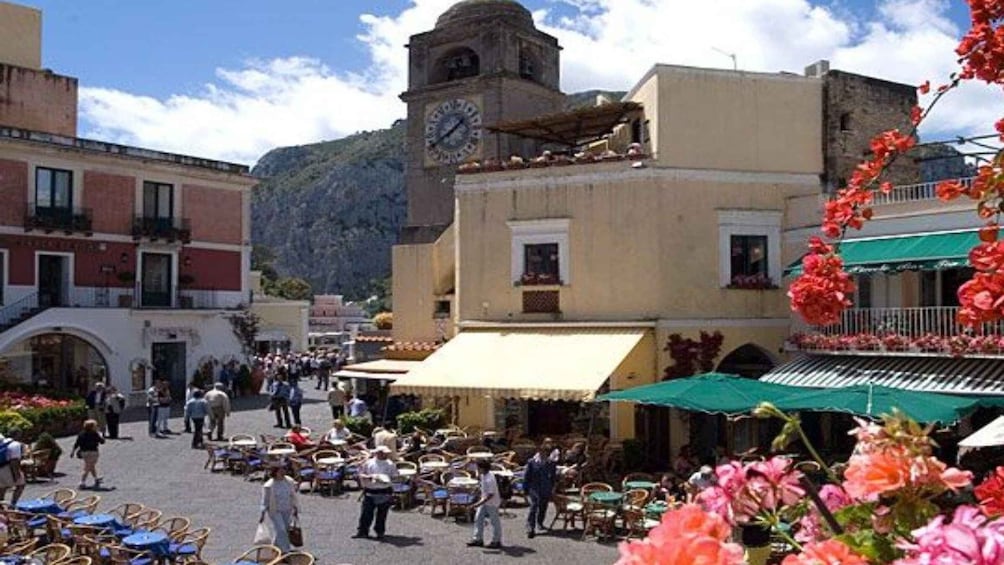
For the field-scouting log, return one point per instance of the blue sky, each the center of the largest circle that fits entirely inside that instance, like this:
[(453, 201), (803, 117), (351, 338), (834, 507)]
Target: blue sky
[(231, 79)]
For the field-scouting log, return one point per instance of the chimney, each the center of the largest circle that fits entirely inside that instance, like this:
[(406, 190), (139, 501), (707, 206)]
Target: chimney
[(818, 69)]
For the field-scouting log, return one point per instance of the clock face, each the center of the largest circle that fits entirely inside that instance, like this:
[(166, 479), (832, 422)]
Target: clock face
[(453, 131)]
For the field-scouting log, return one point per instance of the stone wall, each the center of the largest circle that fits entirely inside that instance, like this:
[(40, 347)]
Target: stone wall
[(855, 108), (38, 100)]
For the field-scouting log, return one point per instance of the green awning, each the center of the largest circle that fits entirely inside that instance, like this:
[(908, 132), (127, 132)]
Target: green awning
[(713, 393), (926, 252), (874, 400)]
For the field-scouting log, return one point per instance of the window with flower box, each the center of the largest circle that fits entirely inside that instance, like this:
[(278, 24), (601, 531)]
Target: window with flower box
[(540, 264), (540, 254), (749, 248)]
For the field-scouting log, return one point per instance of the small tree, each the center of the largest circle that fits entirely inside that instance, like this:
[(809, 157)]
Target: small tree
[(293, 288), (691, 357), (245, 327)]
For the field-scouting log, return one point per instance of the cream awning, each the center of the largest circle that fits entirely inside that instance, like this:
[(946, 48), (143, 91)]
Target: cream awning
[(383, 369), (540, 363)]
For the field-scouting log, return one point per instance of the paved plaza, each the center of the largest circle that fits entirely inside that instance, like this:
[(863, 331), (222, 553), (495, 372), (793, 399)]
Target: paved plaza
[(166, 474)]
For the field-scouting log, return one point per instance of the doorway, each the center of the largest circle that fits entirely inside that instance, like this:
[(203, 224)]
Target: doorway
[(156, 285), (53, 280), (169, 363)]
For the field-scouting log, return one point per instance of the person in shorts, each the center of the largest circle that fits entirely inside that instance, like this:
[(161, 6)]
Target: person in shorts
[(11, 475), (86, 447)]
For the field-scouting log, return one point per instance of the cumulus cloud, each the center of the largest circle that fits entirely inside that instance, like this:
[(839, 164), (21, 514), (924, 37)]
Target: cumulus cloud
[(608, 44)]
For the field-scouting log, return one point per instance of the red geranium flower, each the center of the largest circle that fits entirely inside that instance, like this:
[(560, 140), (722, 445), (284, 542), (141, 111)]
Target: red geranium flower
[(990, 494)]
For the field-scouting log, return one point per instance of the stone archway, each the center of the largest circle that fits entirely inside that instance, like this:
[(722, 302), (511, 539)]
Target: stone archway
[(61, 360), (749, 360)]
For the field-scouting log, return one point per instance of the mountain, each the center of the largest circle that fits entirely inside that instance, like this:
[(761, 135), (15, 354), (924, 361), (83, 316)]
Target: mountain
[(331, 211)]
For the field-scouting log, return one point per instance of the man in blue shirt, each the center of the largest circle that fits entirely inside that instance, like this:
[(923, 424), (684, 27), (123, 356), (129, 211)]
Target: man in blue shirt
[(538, 480), (280, 402), (356, 406)]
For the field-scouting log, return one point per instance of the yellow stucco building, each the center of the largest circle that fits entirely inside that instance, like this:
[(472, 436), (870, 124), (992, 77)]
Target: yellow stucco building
[(568, 279)]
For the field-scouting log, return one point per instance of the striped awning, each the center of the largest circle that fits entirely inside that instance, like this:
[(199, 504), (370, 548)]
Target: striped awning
[(930, 374), (917, 252)]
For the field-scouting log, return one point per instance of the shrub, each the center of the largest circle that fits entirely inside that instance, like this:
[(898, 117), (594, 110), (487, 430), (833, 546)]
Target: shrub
[(59, 421), (46, 441), (360, 426), (427, 419), (14, 424)]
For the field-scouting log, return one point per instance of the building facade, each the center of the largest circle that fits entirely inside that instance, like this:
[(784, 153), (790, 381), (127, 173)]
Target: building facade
[(564, 276), (116, 262)]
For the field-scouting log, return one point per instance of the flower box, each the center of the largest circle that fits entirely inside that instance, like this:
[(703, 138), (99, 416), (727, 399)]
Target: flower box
[(539, 279)]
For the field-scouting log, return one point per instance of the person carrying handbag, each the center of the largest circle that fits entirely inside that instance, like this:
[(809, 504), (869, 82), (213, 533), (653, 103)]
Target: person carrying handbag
[(279, 503)]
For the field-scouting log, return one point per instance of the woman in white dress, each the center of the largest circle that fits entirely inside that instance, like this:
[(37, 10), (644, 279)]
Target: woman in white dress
[(278, 501)]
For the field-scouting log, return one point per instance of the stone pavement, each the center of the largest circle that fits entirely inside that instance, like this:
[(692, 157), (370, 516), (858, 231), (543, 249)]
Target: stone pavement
[(166, 474)]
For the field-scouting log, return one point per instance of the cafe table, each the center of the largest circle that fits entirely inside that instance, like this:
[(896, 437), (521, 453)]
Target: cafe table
[(39, 506), (481, 455), (156, 543), (462, 482), (606, 497), (407, 472), (96, 520), (645, 485), (434, 465), (656, 509), (330, 461), (244, 443), (281, 451)]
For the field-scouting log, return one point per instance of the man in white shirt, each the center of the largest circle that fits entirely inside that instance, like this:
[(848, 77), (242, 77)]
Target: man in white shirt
[(10, 470), (387, 438), (376, 475), (487, 508), (219, 410), (356, 406), (703, 478)]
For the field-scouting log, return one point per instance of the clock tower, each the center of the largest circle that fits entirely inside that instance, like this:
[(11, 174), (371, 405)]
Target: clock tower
[(484, 62)]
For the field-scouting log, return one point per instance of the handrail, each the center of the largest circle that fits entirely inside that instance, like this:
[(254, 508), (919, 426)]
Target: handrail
[(916, 192), (18, 308)]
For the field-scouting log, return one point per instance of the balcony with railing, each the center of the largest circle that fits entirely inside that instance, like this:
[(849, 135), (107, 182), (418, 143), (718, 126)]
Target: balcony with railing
[(925, 191), (175, 298), (166, 229), (58, 218), (931, 330)]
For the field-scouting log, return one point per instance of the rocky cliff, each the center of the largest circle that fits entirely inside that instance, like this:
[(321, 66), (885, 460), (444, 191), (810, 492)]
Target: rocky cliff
[(331, 211)]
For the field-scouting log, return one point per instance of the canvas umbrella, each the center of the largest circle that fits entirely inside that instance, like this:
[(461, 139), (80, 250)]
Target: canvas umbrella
[(874, 400), (990, 435), (713, 393)]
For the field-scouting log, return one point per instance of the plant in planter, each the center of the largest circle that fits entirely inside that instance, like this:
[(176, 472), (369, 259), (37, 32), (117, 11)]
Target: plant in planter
[(867, 342), (896, 342), (531, 279), (930, 343), (47, 442)]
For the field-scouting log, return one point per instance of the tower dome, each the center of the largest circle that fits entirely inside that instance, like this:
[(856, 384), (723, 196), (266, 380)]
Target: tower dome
[(472, 11)]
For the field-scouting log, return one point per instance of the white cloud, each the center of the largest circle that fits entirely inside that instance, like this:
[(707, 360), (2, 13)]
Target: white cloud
[(607, 44)]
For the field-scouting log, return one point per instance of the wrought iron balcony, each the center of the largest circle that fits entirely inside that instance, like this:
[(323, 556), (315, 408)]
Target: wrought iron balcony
[(56, 218), (168, 229)]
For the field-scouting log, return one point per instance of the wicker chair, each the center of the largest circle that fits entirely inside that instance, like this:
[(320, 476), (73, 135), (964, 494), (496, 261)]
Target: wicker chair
[(18, 527), (62, 496), (461, 498), (57, 529), (188, 545), (145, 519), (263, 554), (636, 523), (174, 526), (19, 548), (568, 509), (126, 510), (295, 558), (52, 553), (216, 457), (431, 496), (78, 560), (636, 497), (86, 505), (118, 555), (599, 519)]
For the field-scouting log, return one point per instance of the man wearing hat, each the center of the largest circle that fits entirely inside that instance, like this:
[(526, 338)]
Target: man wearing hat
[(96, 402), (376, 475), (704, 478)]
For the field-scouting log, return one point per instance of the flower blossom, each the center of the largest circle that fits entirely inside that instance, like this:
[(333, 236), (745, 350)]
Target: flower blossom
[(829, 552), (823, 289), (990, 493), (687, 536), (968, 540), (745, 491), (810, 527)]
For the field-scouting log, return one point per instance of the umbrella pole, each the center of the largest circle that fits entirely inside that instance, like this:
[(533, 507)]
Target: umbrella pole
[(868, 407), (385, 392)]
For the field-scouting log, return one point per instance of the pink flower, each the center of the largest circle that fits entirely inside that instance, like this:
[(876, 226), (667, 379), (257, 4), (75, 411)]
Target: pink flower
[(970, 539), (687, 536), (829, 552), (744, 491), (810, 527)]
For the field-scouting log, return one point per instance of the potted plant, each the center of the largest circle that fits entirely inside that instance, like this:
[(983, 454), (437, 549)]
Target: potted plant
[(46, 441)]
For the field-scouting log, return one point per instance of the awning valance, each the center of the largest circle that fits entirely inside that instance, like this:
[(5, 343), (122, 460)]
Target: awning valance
[(930, 374), (382, 369), (924, 252), (540, 363)]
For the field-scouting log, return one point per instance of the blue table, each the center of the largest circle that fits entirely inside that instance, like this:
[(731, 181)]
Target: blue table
[(39, 506), (97, 520), (156, 543)]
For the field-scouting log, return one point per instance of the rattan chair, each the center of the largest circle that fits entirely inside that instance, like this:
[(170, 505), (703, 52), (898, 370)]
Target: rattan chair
[(78, 560), (118, 555), (295, 558), (431, 496), (145, 519), (263, 554), (568, 509), (174, 527), (62, 496), (189, 544), (51, 553), (216, 457), (86, 505), (20, 548), (126, 510)]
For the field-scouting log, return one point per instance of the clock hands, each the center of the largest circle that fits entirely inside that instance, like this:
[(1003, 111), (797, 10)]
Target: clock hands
[(449, 132)]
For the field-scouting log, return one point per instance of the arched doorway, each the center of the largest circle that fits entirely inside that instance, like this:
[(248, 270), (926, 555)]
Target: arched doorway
[(710, 432), (56, 360), (748, 360)]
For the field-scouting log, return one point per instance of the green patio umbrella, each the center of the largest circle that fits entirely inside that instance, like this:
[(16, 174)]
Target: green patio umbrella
[(714, 393), (873, 400)]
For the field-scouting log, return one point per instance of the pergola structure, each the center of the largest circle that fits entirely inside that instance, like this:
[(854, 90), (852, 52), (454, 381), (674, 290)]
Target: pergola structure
[(575, 127)]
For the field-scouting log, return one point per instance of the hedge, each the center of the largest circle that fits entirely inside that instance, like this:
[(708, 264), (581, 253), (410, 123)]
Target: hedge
[(427, 419)]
